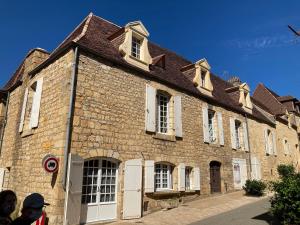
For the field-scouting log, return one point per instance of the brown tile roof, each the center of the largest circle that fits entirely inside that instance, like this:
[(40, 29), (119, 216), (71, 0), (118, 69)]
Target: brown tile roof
[(286, 98), (269, 99), (94, 34)]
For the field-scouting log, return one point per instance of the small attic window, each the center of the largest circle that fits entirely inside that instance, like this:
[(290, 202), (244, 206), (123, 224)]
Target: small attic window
[(136, 47), (203, 74), (202, 77)]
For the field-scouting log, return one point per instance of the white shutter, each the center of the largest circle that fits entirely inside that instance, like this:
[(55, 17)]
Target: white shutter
[(274, 143), (132, 200), (196, 177), (205, 124), (178, 116), (36, 103), (253, 168), (244, 172), (22, 118), (74, 190), (220, 127), (2, 174), (149, 176), (181, 177), (266, 142), (150, 108), (233, 133), (246, 141), (258, 169)]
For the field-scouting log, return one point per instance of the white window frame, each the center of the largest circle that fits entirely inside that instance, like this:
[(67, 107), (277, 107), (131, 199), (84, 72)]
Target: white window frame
[(167, 127), (237, 127), (160, 167), (270, 142), (188, 178), (136, 46), (286, 147), (203, 76), (211, 126)]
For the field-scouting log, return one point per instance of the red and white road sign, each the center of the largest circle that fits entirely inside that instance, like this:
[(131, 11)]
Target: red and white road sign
[(50, 163)]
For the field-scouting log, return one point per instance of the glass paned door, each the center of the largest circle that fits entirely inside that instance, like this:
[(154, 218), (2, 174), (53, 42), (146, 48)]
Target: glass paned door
[(99, 190)]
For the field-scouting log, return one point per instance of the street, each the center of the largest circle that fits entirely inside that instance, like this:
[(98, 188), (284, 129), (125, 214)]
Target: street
[(251, 214)]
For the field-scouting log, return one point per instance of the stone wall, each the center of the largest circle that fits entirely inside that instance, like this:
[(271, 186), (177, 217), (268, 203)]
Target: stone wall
[(109, 121), (22, 154)]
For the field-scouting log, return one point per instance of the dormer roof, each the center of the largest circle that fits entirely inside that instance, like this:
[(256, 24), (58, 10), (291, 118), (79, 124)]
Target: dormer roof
[(203, 63), (138, 27)]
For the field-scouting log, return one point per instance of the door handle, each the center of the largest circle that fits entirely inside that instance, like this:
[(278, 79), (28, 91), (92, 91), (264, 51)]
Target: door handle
[(138, 190)]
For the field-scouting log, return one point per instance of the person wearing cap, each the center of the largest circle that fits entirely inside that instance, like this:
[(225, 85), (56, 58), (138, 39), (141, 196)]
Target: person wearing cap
[(32, 209)]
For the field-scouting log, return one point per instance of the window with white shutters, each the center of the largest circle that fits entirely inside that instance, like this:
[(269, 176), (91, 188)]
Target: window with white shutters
[(238, 134), (188, 178), (163, 176), (30, 111), (286, 147), (211, 126), (163, 113), (159, 104)]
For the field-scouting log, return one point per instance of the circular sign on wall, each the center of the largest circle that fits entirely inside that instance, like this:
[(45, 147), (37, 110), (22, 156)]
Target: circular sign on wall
[(50, 163)]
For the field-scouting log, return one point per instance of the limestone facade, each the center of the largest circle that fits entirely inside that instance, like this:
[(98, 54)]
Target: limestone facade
[(109, 123)]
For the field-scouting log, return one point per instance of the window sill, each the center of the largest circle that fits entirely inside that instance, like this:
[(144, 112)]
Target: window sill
[(165, 193), (214, 144), (165, 137), (138, 60), (26, 133), (190, 191)]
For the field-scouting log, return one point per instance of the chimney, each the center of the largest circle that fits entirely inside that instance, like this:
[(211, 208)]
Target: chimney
[(235, 81), (34, 58)]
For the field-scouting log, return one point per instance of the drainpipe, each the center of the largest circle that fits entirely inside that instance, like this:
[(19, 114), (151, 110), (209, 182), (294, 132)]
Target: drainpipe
[(70, 117), (250, 163), (4, 122)]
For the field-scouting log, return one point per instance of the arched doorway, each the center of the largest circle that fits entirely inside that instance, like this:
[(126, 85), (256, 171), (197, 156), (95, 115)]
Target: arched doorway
[(215, 176), (99, 190)]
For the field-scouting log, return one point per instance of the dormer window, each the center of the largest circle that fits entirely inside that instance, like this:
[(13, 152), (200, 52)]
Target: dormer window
[(203, 74), (202, 77), (245, 99), (136, 47)]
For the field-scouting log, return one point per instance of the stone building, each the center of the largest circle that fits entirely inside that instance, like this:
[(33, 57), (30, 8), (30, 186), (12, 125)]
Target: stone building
[(135, 127)]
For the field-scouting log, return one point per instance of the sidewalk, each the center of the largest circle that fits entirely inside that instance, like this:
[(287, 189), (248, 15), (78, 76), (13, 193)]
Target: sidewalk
[(196, 210)]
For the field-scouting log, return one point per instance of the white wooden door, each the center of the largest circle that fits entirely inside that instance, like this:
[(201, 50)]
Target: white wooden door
[(73, 190), (132, 201), (99, 190)]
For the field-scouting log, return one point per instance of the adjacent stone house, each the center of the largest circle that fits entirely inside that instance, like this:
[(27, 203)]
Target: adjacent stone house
[(135, 127)]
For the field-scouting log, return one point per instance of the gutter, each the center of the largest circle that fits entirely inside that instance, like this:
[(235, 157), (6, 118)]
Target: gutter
[(250, 163), (5, 120), (70, 117)]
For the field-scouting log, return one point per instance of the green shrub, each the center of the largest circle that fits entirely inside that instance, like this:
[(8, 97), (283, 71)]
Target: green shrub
[(285, 170), (254, 187), (285, 204)]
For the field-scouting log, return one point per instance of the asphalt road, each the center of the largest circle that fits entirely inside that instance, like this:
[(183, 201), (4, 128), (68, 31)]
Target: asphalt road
[(252, 214)]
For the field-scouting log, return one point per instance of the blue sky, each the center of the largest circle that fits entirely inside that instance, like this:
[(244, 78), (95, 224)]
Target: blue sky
[(248, 39)]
